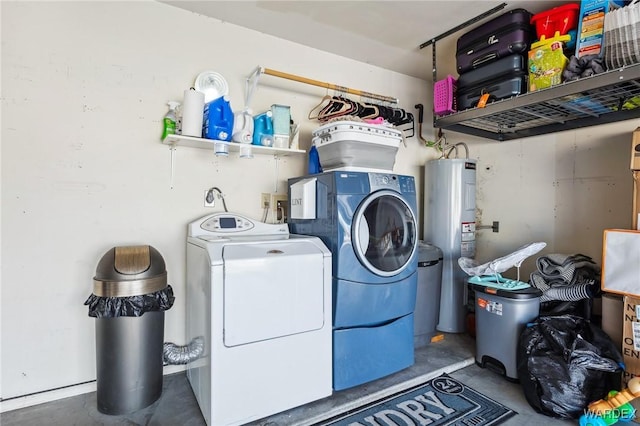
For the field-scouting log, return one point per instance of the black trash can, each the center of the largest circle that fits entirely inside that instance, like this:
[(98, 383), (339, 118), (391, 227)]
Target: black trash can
[(130, 295)]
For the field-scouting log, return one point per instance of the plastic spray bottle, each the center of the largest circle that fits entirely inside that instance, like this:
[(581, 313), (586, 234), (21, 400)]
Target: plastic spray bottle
[(169, 120)]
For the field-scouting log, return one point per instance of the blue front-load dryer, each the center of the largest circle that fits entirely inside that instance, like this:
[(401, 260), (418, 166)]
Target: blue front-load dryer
[(368, 221)]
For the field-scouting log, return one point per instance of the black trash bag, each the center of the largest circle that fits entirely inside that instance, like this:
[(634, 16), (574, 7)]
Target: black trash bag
[(131, 306), (564, 362), (581, 308)]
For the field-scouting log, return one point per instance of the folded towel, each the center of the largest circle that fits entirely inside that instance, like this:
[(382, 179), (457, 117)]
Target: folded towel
[(566, 277), (564, 266), (584, 66)]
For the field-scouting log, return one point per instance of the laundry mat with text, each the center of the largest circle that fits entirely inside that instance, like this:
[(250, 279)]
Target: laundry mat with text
[(440, 401)]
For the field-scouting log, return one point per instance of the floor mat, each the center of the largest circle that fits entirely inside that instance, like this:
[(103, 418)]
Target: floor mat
[(440, 401)]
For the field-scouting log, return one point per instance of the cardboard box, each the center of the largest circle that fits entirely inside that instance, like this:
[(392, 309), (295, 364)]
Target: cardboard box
[(635, 150), (631, 343), (621, 262), (635, 168), (635, 219), (589, 40), (631, 338), (612, 316)]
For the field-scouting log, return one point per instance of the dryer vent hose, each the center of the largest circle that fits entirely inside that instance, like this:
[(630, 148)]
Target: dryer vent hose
[(174, 354), (569, 294)]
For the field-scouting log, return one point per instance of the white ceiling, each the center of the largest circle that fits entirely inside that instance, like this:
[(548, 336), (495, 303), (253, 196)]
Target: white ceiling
[(382, 33)]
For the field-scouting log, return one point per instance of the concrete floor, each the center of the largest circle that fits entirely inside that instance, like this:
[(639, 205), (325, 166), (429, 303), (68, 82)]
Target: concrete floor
[(177, 405)]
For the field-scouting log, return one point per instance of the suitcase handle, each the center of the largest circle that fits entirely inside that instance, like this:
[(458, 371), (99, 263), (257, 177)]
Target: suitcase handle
[(482, 59)]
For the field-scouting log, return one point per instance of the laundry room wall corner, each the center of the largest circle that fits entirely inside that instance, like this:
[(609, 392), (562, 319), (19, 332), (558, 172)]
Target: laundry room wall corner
[(91, 173), (85, 87)]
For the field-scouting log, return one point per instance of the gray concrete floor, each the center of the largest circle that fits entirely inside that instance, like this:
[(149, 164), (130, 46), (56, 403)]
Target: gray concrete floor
[(177, 405)]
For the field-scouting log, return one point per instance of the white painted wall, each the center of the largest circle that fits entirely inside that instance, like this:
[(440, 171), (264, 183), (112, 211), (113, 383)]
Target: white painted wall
[(85, 86), (84, 89), (563, 189)]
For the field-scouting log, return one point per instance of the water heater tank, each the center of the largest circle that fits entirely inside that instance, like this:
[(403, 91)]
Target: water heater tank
[(450, 224)]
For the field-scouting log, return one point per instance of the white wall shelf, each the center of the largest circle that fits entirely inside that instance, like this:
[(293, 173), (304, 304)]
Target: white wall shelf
[(193, 142)]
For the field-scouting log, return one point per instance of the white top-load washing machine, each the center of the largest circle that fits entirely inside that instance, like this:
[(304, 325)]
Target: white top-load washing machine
[(261, 301)]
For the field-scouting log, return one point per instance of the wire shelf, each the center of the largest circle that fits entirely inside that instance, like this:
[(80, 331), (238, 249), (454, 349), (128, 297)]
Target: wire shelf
[(602, 98)]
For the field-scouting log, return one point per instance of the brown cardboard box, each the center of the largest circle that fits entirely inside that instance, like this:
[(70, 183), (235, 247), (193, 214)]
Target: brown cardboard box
[(631, 344), (620, 266), (635, 168), (612, 314), (635, 150), (636, 199), (631, 339)]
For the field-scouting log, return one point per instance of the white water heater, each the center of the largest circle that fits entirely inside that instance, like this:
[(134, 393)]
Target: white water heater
[(450, 224)]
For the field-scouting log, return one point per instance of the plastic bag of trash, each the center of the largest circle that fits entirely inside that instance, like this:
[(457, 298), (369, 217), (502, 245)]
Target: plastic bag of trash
[(131, 306), (564, 362)]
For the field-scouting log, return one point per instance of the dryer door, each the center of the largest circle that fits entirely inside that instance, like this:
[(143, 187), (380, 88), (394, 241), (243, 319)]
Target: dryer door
[(384, 233), (272, 290)]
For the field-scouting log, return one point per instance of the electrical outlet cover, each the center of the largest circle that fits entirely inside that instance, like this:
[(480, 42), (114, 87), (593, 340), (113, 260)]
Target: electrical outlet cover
[(275, 206)]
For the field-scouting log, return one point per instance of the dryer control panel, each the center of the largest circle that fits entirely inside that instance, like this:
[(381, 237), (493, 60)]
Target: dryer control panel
[(384, 181), (232, 223), (398, 183), (227, 223)]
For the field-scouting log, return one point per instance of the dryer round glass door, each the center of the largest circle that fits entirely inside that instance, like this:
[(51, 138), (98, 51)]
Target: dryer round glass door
[(384, 233)]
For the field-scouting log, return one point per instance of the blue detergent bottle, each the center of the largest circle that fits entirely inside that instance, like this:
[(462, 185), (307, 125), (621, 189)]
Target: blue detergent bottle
[(263, 129), (217, 121)]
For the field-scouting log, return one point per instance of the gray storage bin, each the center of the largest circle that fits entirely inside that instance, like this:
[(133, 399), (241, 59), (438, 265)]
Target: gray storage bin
[(501, 315), (427, 311)]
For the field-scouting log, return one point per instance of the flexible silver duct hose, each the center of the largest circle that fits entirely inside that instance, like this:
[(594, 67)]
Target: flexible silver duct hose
[(174, 354), (569, 294)]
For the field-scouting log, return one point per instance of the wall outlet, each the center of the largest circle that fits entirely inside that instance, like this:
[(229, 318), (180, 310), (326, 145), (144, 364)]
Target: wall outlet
[(275, 206), (282, 212), (209, 198)]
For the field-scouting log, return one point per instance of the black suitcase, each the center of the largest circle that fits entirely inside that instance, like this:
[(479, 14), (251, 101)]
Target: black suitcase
[(505, 35), (501, 79)]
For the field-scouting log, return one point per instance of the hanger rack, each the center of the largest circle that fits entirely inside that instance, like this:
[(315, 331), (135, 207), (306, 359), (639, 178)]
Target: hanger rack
[(261, 70)]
